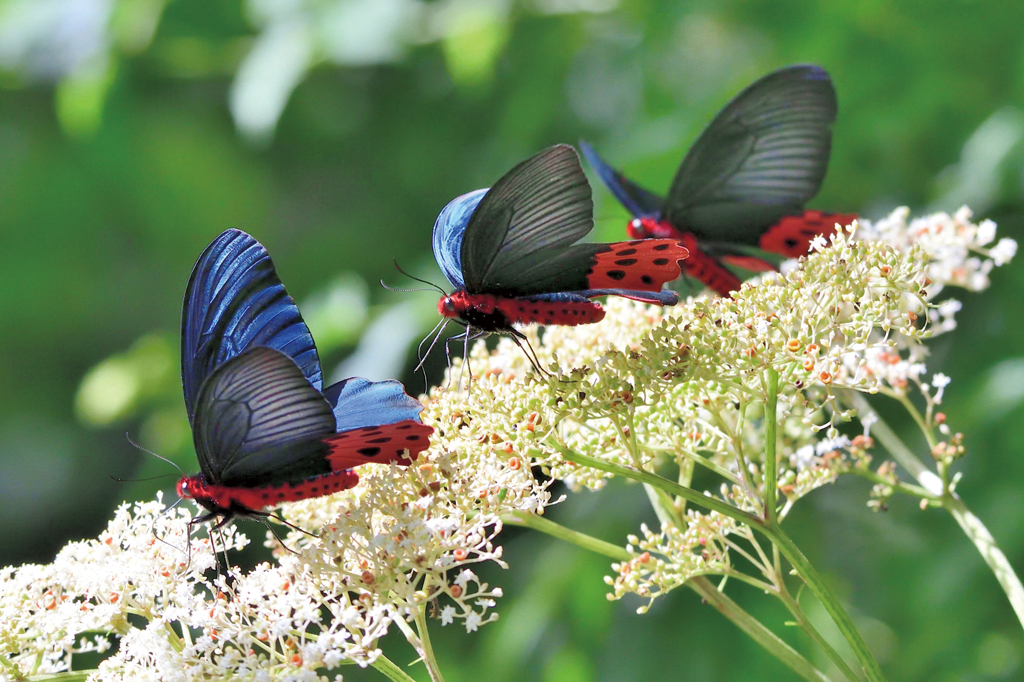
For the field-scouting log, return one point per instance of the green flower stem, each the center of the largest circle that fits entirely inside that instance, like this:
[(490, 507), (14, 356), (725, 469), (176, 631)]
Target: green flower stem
[(701, 585), (770, 439), (899, 486), (76, 676), (755, 630), (390, 670), (833, 607), (971, 524), (426, 651), (557, 530), (688, 494), (772, 531), (805, 624), (990, 552)]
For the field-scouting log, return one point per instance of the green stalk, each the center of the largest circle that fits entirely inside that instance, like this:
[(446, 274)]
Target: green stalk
[(557, 530), (951, 502), (76, 676), (688, 494), (426, 651), (773, 532), (391, 671), (703, 586), (770, 439), (833, 607), (805, 624)]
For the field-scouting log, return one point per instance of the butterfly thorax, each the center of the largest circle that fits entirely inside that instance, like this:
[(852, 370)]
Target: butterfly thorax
[(474, 310)]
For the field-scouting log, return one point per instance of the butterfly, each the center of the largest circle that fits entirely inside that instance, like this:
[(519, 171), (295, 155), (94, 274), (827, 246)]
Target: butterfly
[(510, 251), (265, 430), (744, 181)]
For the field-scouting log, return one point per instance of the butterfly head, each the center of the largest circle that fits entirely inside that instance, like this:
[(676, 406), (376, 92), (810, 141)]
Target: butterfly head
[(447, 306), (460, 303), (189, 487), (651, 228)]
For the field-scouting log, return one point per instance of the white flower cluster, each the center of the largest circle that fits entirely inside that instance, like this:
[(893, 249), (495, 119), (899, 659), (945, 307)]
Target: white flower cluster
[(960, 252), (403, 538)]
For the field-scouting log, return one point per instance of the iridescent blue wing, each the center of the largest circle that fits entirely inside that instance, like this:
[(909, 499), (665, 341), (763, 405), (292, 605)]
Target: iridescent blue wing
[(358, 403), (258, 421), (762, 157), (449, 229), (519, 233), (637, 200), (235, 301)]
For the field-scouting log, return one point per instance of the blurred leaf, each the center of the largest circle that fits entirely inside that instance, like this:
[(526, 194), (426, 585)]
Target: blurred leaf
[(114, 389), (475, 35), (337, 314), (279, 59), (80, 98)]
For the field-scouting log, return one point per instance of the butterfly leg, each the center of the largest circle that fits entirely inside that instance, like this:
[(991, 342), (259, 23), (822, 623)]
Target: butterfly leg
[(469, 335), (520, 340), (436, 332)]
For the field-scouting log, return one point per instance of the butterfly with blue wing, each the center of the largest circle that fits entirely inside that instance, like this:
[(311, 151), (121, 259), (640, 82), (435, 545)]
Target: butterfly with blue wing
[(264, 429), (511, 252), (745, 180)]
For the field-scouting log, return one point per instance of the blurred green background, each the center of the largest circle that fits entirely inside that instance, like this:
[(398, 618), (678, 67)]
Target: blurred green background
[(133, 131)]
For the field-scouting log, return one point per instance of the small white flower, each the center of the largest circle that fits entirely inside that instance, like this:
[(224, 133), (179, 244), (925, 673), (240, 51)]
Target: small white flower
[(802, 458), (473, 621), (830, 444), (986, 232), (939, 381), (1004, 251), (464, 577), (448, 615), (867, 420)]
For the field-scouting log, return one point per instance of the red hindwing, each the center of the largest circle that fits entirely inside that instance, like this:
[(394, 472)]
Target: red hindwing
[(640, 265), (791, 236), (567, 313), (400, 442)]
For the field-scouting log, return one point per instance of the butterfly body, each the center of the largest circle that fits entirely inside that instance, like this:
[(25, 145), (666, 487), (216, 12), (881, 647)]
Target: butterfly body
[(232, 501), (745, 180), (264, 429), (496, 314), (511, 252)]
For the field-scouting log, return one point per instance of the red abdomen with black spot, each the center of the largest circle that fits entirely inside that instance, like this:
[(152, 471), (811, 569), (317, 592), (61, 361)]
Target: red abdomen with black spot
[(220, 498), (496, 313)]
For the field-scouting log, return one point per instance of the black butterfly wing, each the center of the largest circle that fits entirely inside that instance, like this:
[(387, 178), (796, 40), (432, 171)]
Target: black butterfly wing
[(235, 301), (640, 202), (258, 421), (762, 157), (519, 239)]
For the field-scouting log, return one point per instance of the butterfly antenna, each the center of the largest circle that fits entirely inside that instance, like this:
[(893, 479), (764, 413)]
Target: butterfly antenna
[(150, 452), (417, 279)]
